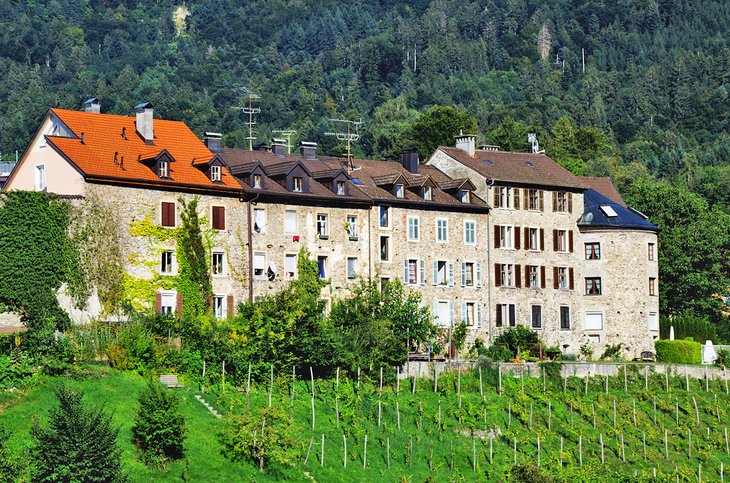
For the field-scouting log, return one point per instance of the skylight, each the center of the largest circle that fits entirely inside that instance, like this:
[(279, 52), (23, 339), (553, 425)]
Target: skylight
[(529, 163), (356, 181), (489, 161), (608, 211)]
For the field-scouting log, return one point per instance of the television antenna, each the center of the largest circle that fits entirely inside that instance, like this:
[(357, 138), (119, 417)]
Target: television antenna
[(286, 133), (349, 136), (250, 110)]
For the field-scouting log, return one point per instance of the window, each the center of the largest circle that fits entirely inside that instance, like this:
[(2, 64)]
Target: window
[(399, 191), (385, 248), (594, 321), (215, 173), (593, 285), (533, 200), (322, 267), (469, 313), (322, 230), (562, 240), (468, 274), (290, 266), (505, 277), (506, 315), (341, 188), (216, 263), (290, 221), (414, 233), (533, 276), (219, 306), (256, 181), (411, 271), (652, 286), (562, 278), (651, 252), (166, 262), (168, 214), (470, 232), (561, 202), (167, 302), (164, 169), (532, 240), (608, 211), (259, 264), (40, 177), (465, 196), (443, 313), (427, 193), (536, 316), (505, 236), (219, 218), (352, 230), (440, 274), (442, 230), (384, 216), (593, 251), (351, 268), (297, 184), (594, 338), (564, 317), (259, 220), (504, 197), (653, 322)]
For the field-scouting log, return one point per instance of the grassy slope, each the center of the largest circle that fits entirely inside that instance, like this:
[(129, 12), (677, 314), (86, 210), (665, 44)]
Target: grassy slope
[(358, 417)]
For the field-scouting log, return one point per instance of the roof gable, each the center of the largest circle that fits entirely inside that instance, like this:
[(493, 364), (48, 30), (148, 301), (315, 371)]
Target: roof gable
[(602, 212)]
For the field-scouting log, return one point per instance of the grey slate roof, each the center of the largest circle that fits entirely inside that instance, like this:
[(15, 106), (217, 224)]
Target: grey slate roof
[(626, 217)]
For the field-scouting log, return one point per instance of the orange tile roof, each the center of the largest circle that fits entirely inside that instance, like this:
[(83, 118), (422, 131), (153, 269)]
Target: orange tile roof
[(103, 142)]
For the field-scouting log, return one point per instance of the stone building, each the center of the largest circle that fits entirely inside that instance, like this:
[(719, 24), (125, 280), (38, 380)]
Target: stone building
[(567, 257)]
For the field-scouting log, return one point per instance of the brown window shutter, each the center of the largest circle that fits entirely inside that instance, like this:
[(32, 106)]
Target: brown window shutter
[(179, 309), (555, 201), (171, 214), (555, 278), (541, 194), (542, 239), (219, 218), (527, 239), (542, 276), (230, 306), (570, 202), (496, 236), (570, 241), (498, 318), (158, 303), (527, 275), (570, 278), (555, 240), (496, 197), (518, 276), (517, 237), (526, 200), (497, 275), (164, 209), (517, 199)]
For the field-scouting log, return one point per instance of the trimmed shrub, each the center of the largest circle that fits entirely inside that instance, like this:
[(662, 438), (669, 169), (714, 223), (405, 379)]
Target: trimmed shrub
[(159, 428), (678, 351)]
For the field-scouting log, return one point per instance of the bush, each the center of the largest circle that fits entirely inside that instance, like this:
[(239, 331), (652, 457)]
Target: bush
[(78, 444), (723, 358), (612, 352), (515, 341), (678, 351), (159, 428), (9, 464), (700, 329)]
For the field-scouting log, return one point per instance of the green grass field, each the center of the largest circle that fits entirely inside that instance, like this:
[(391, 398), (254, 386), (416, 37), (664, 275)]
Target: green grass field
[(423, 428)]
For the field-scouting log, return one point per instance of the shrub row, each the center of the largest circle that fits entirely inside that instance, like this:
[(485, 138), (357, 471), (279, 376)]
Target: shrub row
[(678, 351)]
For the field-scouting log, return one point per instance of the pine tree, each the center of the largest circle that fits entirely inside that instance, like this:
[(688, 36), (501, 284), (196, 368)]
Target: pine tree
[(159, 428)]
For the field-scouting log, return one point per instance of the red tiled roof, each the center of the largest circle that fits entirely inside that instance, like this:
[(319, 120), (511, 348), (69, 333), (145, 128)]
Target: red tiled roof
[(103, 141), (522, 168), (604, 186)]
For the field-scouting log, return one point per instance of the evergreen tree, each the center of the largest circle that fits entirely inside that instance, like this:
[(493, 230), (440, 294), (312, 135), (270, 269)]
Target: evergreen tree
[(159, 428)]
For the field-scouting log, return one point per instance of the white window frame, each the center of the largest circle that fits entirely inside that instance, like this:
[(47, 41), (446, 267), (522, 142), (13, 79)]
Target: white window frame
[(563, 282), (596, 286), (324, 273), (220, 308), (164, 169), (472, 229), (256, 182), (215, 173), (530, 193), (465, 196), (442, 230), (165, 298), (507, 237), (536, 231), (442, 307), (40, 177), (595, 250), (439, 280), (291, 274), (505, 197), (415, 271), (473, 266), (507, 274), (562, 241), (259, 265), (322, 225), (592, 327), (534, 282), (384, 209), (290, 216), (259, 220), (380, 252), (413, 224), (297, 184), (352, 228), (165, 254), (427, 193), (400, 191), (218, 269), (341, 188), (351, 274), (561, 203)]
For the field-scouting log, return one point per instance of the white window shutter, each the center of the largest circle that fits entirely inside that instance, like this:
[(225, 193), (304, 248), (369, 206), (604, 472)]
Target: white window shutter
[(435, 272), (422, 270), (479, 274), (405, 271), (451, 311), (479, 315), (451, 274), (463, 274), (462, 314), (435, 312)]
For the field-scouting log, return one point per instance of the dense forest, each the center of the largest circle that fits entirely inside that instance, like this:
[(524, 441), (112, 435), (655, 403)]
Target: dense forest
[(637, 90)]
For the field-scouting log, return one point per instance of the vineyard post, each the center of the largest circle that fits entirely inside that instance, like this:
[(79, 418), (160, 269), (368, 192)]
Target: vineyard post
[(580, 449), (561, 452), (530, 414), (410, 451), (490, 449), (458, 387), (722, 471), (666, 445), (644, 441), (474, 453), (397, 411), (515, 449), (223, 377), (381, 381), (358, 378), (430, 455), (626, 383), (248, 388), (614, 414), (699, 473), (550, 415), (600, 438), (397, 382), (321, 452), (538, 451), (337, 399), (633, 403), (646, 378), (481, 389), (293, 380), (379, 410), (655, 409), (387, 450), (271, 383), (509, 414), (676, 410), (697, 412), (485, 413), (439, 414), (309, 450), (344, 459), (623, 454), (365, 453), (451, 454), (544, 383), (499, 367), (593, 413), (311, 373), (435, 379), (707, 383), (666, 378), (202, 386), (726, 391)]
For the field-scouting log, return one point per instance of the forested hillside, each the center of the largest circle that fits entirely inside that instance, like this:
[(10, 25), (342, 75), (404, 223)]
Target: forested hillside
[(650, 100)]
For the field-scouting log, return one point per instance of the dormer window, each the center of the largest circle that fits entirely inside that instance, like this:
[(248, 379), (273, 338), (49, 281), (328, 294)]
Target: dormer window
[(341, 188), (399, 191), (465, 196), (297, 186), (164, 169), (215, 173), (427, 193), (257, 181)]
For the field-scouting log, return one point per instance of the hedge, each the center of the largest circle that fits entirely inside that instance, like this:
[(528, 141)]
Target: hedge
[(678, 351)]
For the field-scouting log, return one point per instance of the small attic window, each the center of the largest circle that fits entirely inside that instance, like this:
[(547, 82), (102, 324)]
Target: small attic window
[(465, 196), (341, 188), (215, 173), (399, 191), (297, 184), (427, 193), (164, 169), (256, 181), (608, 211)]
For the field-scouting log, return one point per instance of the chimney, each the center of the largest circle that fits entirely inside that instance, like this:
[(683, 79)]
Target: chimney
[(410, 161), (308, 149), (213, 141), (488, 147), (466, 142), (278, 146), (92, 105), (144, 121)]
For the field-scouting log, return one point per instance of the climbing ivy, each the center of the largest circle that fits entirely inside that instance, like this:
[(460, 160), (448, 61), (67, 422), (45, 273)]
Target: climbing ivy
[(193, 248)]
